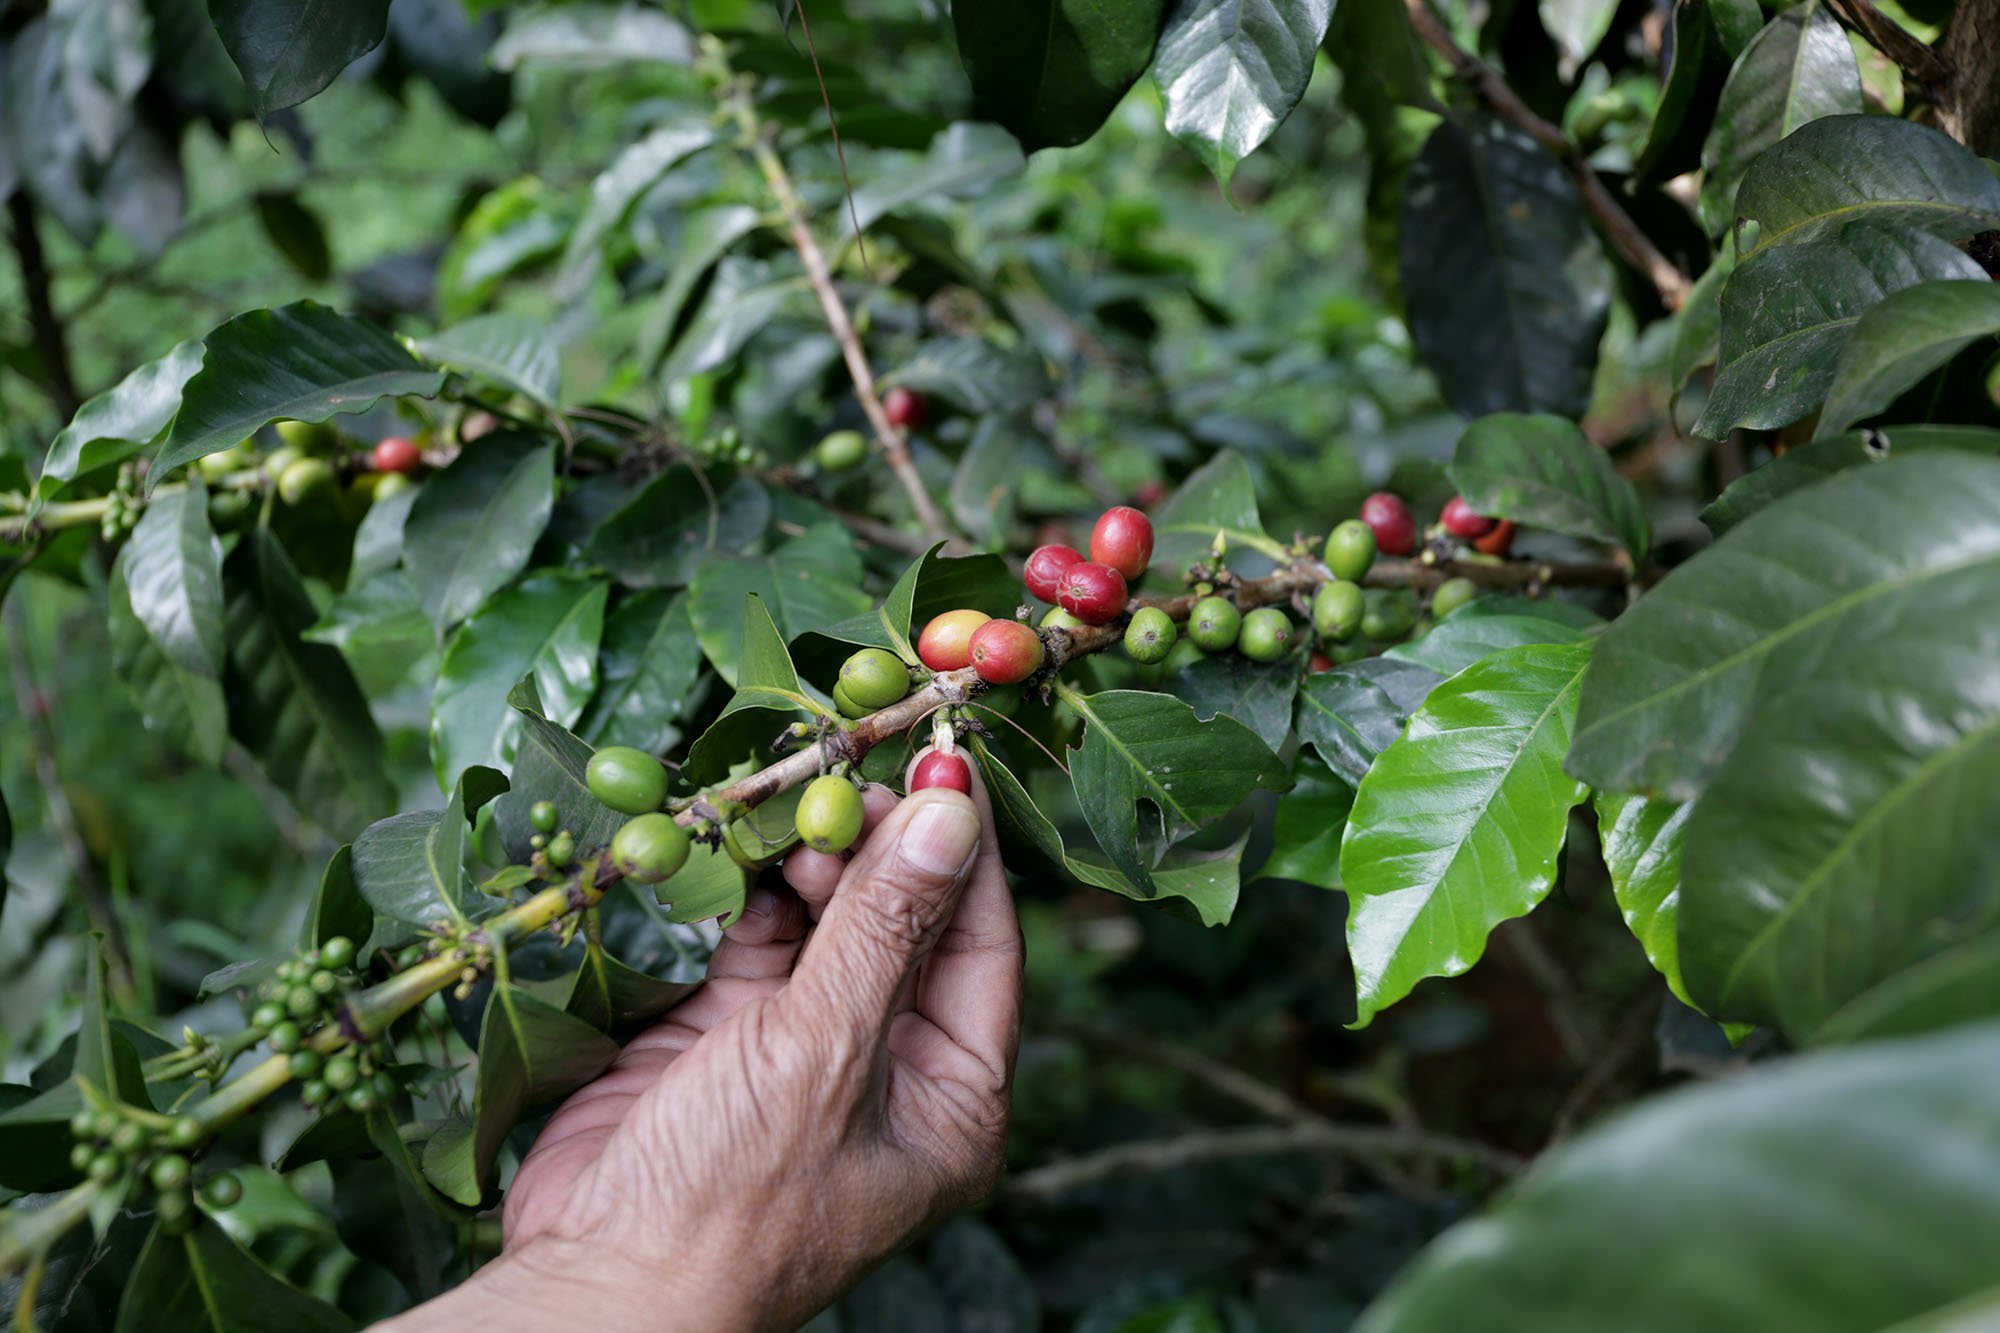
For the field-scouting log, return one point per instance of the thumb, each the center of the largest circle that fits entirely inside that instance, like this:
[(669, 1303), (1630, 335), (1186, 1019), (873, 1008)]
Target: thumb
[(892, 904)]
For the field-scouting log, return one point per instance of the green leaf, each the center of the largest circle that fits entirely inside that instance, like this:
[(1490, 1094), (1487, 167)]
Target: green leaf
[(1903, 339), (295, 231), (767, 694), (1259, 695), (1821, 459), (1882, 760), (1698, 327), (302, 362), (1958, 984), (1844, 169), (1458, 641), (547, 628), (1885, 552), (378, 540), (1543, 472), (810, 582), (592, 36), (549, 765), (1788, 312), (287, 50), (665, 532), (202, 1280), (1207, 881), (447, 1163), (745, 298), (166, 610), (618, 189), (1052, 70), (1697, 69), (649, 675), (512, 351), (411, 867), (530, 1054), (609, 994), (1459, 824), (1642, 849), (1506, 287), (1576, 26), (1798, 69), (976, 376), (1230, 71), (709, 886), (1305, 836), (1864, 1169), (338, 907), (706, 235), (932, 585), (294, 705), (122, 420), (1217, 497), (1351, 714), (1139, 746), (961, 159), (473, 525)]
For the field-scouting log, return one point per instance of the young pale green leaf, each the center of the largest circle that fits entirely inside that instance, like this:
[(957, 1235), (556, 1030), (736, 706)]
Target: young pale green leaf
[(1802, 467), (961, 158), (530, 1054), (1051, 72), (1642, 849), (547, 628), (1887, 553), (1880, 762), (1543, 471), (294, 705), (1351, 714), (550, 765), (1864, 1169), (411, 867), (592, 37), (513, 351), (1459, 824), (662, 535), (1141, 747), (618, 189), (1257, 694), (1507, 288), (302, 362), (473, 525), (121, 421), (1798, 69), (1311, 819), (1576, 26), (767, 694), (166, 611), (1902, 340), (1230, 71), (1788, 312), (1218, 498), (1845, 169), (974, 375), (811, 582), (203, 1282), (649, 675)]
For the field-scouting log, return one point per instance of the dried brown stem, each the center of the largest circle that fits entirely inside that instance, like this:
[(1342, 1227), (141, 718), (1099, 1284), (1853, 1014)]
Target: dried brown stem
[(1915, 59)]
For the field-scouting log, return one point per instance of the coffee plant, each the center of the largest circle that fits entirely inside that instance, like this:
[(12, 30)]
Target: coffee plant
[(1463, 461)]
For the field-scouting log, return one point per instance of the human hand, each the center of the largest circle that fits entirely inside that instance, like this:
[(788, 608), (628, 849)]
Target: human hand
[(839, 1083)]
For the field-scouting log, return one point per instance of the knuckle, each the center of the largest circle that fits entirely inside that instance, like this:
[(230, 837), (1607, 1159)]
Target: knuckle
[(896, 917)]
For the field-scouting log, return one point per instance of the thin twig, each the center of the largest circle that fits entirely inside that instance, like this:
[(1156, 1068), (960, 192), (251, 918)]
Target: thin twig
[(1915, 59), (1502, 100), (50, 345)]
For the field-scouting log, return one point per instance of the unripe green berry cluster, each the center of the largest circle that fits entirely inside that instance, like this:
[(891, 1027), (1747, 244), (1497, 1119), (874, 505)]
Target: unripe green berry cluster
[(114, 1142), (302, 993), (354, 1079)]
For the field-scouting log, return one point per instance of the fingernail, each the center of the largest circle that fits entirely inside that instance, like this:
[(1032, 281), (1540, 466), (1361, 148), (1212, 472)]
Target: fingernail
[(941, 836)]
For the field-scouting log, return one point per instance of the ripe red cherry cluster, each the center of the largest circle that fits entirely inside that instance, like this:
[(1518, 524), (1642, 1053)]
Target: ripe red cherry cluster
[(1096, 590)]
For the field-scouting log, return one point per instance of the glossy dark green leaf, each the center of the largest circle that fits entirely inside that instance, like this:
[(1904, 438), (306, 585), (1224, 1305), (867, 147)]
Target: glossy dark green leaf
[(1903, 339), (294, 705), (1698, 66), (961, 159), (1372, 43), (1798, 69), (530, 1054), (810, 582), (122, 420), (648, 675), (1834, 1191), (1506, 287), (296, 232), (338, 907), (1642, 849), (1459, 825), (975, 375), (447, 1163), (1351, 714), (592, 36), (1052, 70), (1142, 747), (166, 610), (619, 188), (387, 1213), (1822, 458), (287, 50), (411, 867), (473, 525), (1257, 694), (1230, 71), (768, 695), (1457, 641), (1788, 312), (547, 628), (1219, 498), (301, 362), (706, 236), (610, 995), (378, 540), (1784, 917), (549, 765), (1844, 169), (1311, 819), (204, 1281), (513, 351), (665, 532), (1956, 985), (1885, 553), (1542, 471)]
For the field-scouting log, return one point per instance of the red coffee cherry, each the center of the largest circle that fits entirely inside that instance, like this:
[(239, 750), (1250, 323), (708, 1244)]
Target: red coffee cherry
[(1045, 570), (396, 453), (1005, 651), (1123, 539), (1150, 492), (938, 769), (946, 643), (1389, 519), (1461, 520), (906, 408), (1093, 593), (1497, 542), (1321, 662)]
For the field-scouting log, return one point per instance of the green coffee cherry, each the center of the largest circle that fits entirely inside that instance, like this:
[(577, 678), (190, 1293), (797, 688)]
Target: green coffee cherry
[(874, 678), (302, 1002), (538, 841), (314, 1092), (830, 814), (649, 848), (1214, 623), (1350, 550), (1150, 636), (307, 1064), (175, 1212), (105, 1123), (267, 1016), (323, 982), (223, 1190), (170, 1173), (561, 850), (1337, 610), (342, 1073), (127, 1139), (285, 1037), (81, 1155), (338, 953), (841, 450), (385, 1085), (542, 814), (1452, 594), (83, 1124), (185, 1132), (106, 1167), (1389, 616), (630, 781), (848, 708), (306, 480), (360, 1098), (1267, 635), (1057, 618)]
